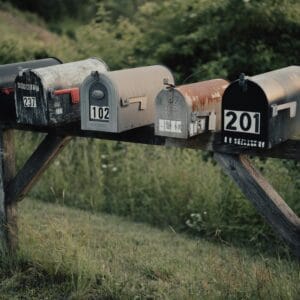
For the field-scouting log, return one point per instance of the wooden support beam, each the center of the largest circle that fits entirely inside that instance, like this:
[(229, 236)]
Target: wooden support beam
[(264, 197), (8, 210), (39, 161)]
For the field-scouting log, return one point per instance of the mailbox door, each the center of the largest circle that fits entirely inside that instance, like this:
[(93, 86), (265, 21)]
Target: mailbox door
[(31, 100), (171, 117), (99, 104), (245, 115)]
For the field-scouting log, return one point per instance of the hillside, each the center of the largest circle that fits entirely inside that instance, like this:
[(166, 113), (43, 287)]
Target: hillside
[(71, 254), (25, 36)]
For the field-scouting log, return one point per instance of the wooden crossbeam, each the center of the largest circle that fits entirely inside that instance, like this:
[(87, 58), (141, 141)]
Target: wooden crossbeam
[(264, 197), (39, 161)]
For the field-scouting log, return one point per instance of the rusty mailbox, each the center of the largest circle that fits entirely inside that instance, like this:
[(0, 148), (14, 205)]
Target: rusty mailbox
[(189, 110), (121, 100), (8, 74), (50, 96), (263, 110)]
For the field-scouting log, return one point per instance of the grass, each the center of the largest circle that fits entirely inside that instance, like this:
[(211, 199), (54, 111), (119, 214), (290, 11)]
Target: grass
[(71, 254)]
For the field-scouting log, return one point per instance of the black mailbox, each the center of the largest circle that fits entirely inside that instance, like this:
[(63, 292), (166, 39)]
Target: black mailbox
[(8, 74), (263, 110), (50, 96)]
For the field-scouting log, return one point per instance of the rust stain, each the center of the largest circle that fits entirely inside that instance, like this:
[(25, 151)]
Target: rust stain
[(204, 95)]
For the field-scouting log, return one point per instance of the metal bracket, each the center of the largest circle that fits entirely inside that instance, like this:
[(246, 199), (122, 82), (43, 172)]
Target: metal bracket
[(292, 106)]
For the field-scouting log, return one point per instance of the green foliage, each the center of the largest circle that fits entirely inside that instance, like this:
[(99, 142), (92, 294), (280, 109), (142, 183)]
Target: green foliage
[(204, 39), (55, 10)]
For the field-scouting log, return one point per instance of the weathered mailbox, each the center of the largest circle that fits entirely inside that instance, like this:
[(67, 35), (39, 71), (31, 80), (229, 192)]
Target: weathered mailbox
[(8, 74), (263, 110), (121, 100), (189, 110), (50, 96)]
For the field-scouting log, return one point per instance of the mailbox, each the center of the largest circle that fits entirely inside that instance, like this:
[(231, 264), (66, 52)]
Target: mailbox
[(50, 96), (121, 100), (189, 110), (263, 110), (8, 74)]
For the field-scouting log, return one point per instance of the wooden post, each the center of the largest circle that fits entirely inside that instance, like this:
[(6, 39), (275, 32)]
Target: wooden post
[(264, 197), (8, 209)]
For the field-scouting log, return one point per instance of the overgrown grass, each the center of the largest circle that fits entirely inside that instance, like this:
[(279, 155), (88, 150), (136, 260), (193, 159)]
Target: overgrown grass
[(164, 187), (70, 254)]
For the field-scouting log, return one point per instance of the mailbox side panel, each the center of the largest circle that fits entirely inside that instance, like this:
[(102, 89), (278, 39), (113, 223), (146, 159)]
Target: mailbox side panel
[(138, 89), (282, 88)]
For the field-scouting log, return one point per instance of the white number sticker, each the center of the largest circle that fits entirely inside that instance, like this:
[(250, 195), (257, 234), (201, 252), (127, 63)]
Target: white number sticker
[(170, 126), (242, 121), (29, 102), (99, 113)]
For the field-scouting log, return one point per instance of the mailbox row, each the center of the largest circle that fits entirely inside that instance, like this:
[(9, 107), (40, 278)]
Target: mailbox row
[(258, 112)]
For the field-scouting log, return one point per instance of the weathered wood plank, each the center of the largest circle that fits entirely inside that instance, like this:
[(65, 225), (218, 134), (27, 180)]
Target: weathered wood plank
[(8, 214), (39, 161), (264, 197)]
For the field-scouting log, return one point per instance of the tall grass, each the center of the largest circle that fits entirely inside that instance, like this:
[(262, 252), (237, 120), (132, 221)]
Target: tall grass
[(183, 189)]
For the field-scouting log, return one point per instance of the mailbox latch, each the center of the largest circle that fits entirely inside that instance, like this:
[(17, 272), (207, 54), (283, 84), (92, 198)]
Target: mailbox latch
[(292, 106)]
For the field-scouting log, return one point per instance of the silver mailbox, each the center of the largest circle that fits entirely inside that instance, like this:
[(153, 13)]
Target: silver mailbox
[(121, 100), (263, 110), (189, 110), (50, 96)]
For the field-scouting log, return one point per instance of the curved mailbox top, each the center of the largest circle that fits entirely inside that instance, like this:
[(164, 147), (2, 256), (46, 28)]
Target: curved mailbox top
[(263, 110), (9, 72), (188, 110), (50, 95), (121, 100)]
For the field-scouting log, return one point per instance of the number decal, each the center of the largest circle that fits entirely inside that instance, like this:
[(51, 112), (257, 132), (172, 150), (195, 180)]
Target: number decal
[(242, 121), (232, 121), (99, 113), (29, 102)]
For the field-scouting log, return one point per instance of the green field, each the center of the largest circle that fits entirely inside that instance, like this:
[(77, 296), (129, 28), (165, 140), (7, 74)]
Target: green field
[(71, 254)]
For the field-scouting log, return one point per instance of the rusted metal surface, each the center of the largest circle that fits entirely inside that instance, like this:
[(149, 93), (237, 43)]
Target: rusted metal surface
[(188, 110), (122, 100), (205, 95), (50, 96)]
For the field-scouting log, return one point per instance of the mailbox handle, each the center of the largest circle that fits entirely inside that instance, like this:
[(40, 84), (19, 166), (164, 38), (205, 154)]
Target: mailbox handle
[(142, 100), (292, 106), (74, 92), (7, 91)]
